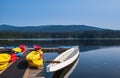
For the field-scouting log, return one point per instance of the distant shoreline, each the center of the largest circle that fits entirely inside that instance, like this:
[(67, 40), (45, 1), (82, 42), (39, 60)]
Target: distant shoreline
[(48, 39)]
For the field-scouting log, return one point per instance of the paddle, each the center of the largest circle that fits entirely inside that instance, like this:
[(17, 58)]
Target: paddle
[(51, 61)]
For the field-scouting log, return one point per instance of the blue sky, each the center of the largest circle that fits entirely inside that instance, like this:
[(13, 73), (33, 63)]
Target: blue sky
[(98, 13)]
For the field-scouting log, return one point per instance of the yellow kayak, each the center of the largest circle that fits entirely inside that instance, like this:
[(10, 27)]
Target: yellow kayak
[(4, 58), (3, 66), (17, 49), (34, 59)]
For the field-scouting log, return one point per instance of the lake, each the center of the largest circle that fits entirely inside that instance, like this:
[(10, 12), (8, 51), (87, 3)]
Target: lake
[(98, 58)]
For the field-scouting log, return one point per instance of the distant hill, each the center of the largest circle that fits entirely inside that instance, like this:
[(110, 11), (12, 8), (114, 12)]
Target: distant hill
[(48, 28)]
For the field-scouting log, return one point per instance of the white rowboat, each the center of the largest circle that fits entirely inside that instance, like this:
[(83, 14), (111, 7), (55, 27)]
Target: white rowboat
[(65, 59)]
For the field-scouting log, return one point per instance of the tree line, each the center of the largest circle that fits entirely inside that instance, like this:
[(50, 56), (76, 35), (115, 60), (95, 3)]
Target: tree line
[(77, 34)]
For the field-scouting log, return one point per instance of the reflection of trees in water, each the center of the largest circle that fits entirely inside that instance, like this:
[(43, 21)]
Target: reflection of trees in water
[(62, 42), (85, 45), (89, 42)]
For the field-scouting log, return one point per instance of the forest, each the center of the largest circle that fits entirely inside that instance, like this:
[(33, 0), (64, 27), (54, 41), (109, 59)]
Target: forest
[(77, 34)]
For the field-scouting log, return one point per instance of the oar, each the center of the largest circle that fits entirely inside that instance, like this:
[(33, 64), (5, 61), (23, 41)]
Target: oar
[(51, 61)]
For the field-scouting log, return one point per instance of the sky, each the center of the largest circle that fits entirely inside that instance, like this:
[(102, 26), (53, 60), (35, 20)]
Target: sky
[(97, 13)]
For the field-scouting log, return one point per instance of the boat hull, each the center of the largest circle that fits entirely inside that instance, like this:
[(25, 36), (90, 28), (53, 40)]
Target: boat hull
[(72, 54)]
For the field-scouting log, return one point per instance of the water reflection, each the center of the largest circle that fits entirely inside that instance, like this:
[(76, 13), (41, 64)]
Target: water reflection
[(98, 58), (100, 63), (65, 72), (61, 42), (85, 45)]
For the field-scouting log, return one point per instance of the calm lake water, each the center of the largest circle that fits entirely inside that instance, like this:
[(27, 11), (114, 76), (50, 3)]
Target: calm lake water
[(98, 59)]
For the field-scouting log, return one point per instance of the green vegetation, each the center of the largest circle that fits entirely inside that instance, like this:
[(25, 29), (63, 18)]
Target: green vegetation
[(77, 34)]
